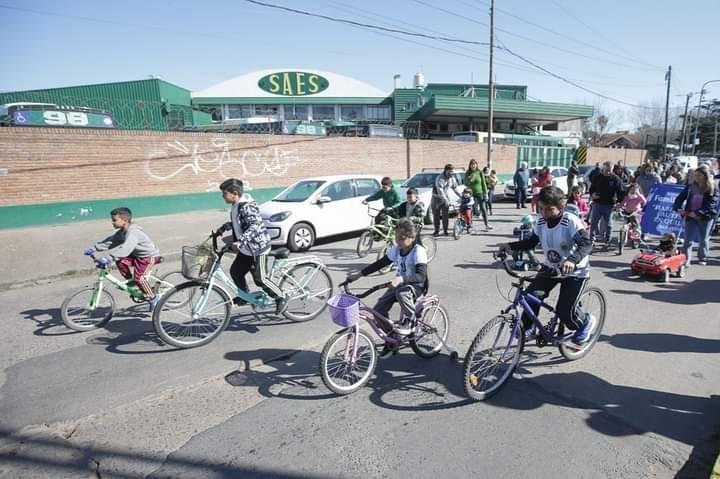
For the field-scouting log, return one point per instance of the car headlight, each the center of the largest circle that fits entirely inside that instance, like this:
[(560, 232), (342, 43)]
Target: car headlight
[(282, 216)]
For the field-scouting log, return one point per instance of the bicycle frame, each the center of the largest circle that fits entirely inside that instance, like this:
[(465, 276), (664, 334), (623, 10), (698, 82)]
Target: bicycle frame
[(121, 284)]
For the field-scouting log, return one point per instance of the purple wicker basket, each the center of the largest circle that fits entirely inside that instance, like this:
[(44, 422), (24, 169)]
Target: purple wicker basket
[(344, 309)]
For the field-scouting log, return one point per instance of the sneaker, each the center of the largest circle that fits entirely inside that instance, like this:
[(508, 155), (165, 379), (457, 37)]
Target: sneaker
[(405, 327), (468, 230), (152, 302), (280, 305), (436, 234), (583, 333), (530, 334), (489, 228), (386, 351), (702, 262), (446, 233), (238, 301)]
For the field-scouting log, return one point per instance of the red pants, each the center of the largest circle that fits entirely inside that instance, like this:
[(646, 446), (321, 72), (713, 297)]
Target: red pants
[(467, 216), (141, 269)]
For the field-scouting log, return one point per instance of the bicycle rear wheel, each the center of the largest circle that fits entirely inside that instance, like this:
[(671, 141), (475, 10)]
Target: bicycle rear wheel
[(492, 357), (364, 244), (307, 288), (431, 332), (79, 314), (348, 361), (591, 301), (167, 282), (458, 227), (430, 245), (203, 316)]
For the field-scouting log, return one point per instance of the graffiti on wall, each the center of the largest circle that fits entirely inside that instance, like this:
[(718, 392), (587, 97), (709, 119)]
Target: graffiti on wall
[(219, 162)]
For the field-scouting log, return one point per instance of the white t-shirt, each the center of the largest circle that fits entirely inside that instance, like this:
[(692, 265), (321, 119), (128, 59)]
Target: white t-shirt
[(558, 242), (405, 265)]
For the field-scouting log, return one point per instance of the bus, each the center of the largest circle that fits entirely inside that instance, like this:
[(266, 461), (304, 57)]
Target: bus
[(508, 138), (50, 114)]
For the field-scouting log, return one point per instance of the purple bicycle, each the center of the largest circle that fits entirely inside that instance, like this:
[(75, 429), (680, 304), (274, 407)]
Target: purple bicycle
[(495, 352), (349, 357)]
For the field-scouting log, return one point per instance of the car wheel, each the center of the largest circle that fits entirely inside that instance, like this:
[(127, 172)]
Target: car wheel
[(301, 237)]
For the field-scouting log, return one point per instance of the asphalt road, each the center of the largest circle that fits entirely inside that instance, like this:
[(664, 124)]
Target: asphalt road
[(118, 403)]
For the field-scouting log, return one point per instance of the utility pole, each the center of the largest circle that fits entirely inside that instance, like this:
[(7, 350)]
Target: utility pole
[(697, 115), (491, 85), (715, 138), (684, 124), (668, 76)]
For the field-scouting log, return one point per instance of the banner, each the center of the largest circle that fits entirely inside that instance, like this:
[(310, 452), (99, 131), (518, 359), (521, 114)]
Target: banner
[(659, 216)]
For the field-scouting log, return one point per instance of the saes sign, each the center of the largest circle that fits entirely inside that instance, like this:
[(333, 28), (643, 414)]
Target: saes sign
[(293, 83)]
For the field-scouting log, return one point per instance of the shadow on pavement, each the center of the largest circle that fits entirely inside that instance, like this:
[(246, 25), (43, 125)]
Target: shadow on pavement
[(662, 343), (54, 456), (699, 291)]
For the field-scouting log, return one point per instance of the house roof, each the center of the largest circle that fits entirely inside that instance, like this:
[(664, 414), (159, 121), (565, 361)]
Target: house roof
[(610, 139)]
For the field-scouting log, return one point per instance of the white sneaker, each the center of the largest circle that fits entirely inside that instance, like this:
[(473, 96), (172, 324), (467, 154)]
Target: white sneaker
[(404, 327)]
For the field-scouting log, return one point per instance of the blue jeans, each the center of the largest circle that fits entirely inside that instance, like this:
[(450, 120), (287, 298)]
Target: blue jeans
[(520, 195), (697, 230), (600, 211)]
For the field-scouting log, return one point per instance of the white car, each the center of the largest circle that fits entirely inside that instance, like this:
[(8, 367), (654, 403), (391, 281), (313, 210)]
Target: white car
[(424, 182), (559, 174), (319, 207)]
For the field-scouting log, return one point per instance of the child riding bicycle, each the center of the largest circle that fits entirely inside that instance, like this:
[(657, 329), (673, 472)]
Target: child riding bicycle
[(251, 241), (133, 251), (566, 246), (467, 202), (410, 282), (390, 198)]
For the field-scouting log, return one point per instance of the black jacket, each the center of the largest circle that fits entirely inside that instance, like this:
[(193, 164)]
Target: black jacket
[(608, 187)]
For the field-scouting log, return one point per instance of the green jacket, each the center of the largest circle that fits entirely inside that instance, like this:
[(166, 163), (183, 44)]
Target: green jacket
[(476, 181), (391, 199)]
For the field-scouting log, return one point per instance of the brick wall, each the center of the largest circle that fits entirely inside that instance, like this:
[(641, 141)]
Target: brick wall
[(613, 155), (53, 165)]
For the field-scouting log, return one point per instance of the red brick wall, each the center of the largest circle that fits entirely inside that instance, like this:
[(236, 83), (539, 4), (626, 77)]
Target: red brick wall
[(51, 165)]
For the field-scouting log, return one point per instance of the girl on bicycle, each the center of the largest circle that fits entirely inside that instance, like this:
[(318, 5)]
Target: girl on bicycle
[(566, 246), (410, 281)]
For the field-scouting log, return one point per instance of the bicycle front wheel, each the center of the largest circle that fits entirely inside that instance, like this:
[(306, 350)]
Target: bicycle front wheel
[(592, 301), (204, 314), (457, 229), (622, 237), (492, 357), (348, 361), (307, 288), (86, 309), (431, 332), (430, 245), (364, 244)]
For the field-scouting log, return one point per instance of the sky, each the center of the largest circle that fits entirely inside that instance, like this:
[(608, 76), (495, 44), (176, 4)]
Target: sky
[(618, 48)]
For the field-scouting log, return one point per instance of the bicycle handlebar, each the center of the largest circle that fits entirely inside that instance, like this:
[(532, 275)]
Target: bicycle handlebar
[(545, 270), (364, 294)]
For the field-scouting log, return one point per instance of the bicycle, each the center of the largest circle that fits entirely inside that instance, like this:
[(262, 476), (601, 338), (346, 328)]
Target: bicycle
[(461, 226), (209, 294), (385, 232), (502, 339), (629, 230), (349, 357), (91, 307)]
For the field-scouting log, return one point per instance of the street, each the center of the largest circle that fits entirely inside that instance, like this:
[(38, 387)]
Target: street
[(117, 402)]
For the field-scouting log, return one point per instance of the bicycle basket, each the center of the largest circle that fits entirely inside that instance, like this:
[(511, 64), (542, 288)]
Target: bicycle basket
[(197, 262), (344, 309)]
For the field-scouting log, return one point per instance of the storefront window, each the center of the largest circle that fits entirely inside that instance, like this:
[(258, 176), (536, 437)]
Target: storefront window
[(239, 111), (266, 110), (323, 112), (381, 112), (296, 112), (351, 112)]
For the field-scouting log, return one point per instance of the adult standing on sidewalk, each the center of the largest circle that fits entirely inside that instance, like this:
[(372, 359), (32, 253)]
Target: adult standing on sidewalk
[(604, 191), (520, 181), (492, 180), (646, 178), (440, 202), (696, 203), (572, 173), (475, 180)]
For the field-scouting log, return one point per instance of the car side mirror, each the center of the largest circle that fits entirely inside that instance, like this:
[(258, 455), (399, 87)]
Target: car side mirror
[(323, 200)]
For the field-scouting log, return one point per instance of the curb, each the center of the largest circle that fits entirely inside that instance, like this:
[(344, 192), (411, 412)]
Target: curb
[(71, 274)]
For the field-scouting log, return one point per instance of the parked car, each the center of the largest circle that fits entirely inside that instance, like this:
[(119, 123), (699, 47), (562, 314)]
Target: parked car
[(559, 174), (424, 182), (319, 207)]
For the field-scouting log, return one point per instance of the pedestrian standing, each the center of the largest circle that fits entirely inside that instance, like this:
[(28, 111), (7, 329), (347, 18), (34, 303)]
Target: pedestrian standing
[(440, 202), (475, 180), (520, 181), (696, 204), (492, 181), (604, 192), (572, 173)]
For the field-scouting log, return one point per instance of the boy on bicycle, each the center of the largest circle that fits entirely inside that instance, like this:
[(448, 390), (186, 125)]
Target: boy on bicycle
[(390, 198), (251, 241), (410, 281), (566, 246), (133, 251)]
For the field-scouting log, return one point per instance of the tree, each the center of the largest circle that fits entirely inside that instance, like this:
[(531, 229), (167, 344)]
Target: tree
[(596, 126)]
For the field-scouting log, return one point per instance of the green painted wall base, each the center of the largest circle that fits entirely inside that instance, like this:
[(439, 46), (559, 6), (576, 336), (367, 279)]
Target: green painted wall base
[(72, 211)]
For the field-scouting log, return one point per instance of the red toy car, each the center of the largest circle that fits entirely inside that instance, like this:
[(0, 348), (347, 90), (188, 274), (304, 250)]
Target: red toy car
[(659, 263)]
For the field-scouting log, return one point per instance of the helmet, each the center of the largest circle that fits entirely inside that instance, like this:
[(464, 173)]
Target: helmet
[(528, 220)]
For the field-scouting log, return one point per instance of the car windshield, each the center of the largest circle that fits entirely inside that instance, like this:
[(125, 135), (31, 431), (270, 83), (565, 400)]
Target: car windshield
[(423, 180), (299, 192)]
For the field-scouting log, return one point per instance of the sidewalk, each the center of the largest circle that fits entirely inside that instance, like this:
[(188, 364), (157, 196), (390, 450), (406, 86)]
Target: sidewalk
[(48, 253)]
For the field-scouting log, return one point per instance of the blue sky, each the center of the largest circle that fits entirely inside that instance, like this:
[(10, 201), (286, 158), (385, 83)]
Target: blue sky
[(618, 48)]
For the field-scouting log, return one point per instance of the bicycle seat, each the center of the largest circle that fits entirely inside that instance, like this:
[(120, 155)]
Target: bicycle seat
[(539, 294), (280, 253)]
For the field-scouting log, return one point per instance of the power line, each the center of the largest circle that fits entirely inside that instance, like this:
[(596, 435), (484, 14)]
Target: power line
[(568, 37), (365, 25)]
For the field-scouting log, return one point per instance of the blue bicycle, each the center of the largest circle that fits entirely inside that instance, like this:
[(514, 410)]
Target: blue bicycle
[(495, 351)]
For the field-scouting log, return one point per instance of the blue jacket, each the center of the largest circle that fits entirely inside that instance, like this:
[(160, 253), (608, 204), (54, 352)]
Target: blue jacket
[(706, 211), (521, 178)]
